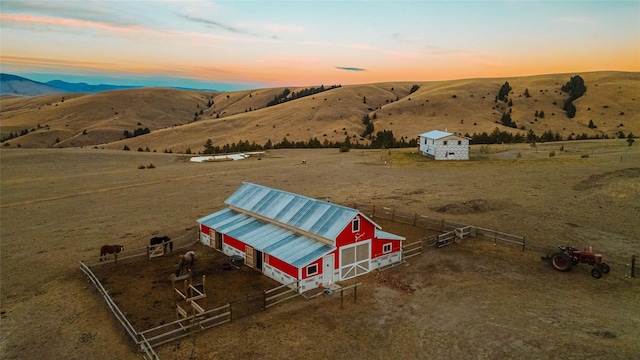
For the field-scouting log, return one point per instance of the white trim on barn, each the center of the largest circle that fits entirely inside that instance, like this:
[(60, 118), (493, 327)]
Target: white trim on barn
[(442, 145)]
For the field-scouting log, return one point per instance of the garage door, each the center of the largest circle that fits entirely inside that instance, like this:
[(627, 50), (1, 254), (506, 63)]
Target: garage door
[(354, 260)]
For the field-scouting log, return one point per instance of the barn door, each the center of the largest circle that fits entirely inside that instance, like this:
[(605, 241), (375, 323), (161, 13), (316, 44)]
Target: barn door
[(218, 241), (258, 260), (250, 257), (327, 270), (355, 260)]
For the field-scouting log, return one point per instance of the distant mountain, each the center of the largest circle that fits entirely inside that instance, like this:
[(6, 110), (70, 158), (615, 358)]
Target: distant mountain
[(17, 85), (84, 87)]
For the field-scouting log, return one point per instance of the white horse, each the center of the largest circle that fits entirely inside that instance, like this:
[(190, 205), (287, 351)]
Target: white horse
[(186, 262)]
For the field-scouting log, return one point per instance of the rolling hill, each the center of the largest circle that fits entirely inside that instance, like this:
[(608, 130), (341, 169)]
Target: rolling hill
[(178, 120)]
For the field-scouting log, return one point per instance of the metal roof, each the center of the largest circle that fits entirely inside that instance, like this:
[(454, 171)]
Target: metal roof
[(436, 134), (283, 224), (295, 249), (388, 236), (317, 217)]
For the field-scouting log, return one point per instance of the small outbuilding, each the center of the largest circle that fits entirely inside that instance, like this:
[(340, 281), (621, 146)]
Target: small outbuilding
[(442, 145), (293, 238)]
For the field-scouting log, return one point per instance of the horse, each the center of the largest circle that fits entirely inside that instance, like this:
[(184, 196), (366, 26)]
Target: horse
[(165, 240), (110, 249), (186, 261)]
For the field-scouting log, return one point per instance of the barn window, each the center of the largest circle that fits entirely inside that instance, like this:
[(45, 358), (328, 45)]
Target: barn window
[(459, 142), (312, 269), (444, 143), (386, 248), (355, 225)]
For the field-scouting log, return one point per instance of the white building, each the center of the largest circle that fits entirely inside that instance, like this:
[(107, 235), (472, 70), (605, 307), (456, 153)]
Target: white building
[(442, 145)]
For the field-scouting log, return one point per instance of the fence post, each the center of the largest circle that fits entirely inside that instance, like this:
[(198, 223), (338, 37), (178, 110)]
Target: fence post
[(373, 211), (415, 219), (633, 266), (523, 244), (355, 289)]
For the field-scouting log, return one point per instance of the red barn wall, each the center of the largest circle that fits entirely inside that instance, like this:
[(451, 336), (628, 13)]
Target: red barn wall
[(281, 265)]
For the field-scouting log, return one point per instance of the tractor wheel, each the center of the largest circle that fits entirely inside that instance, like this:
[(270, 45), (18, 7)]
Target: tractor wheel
[(561, 262), (596, 273), (605, 268)]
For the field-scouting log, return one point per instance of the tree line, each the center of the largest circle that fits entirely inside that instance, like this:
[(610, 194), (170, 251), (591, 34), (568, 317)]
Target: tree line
[(284, 96)]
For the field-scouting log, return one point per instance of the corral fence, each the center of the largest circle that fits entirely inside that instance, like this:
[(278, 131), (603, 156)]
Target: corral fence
[(452, 232), (147, 340), (130, 256)]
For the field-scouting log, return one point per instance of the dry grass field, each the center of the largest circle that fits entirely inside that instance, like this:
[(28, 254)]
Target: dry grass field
[(461, 106), (471, 300)]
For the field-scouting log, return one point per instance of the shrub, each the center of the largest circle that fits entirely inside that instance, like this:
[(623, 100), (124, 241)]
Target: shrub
[(151, 166), (142, 167), (552, 153)]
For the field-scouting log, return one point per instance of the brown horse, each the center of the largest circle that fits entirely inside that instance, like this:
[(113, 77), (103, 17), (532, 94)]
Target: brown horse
[(109, 249)]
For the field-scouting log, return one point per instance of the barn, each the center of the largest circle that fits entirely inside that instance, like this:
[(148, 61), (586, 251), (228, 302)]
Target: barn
[(442, 145), (293, 238)]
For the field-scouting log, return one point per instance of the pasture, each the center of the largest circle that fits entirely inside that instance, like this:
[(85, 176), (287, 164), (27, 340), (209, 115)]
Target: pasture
[(59, 206)]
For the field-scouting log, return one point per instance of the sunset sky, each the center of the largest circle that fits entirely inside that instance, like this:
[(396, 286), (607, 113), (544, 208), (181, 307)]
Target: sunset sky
[(232, 45)]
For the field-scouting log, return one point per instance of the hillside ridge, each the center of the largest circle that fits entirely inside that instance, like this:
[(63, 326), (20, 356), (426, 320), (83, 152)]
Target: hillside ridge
[(183, 120)]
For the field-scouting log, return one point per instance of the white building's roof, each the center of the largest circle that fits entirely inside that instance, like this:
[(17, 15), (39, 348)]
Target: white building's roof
[(435, 134)]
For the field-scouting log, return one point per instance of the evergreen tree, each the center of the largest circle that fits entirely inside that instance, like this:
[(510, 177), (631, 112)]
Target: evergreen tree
[(504, 91), (208, 147), (575, 87), (570, 109)]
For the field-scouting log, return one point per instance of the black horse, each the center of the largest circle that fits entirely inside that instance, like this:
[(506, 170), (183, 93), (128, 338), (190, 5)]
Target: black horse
[(165, 240)]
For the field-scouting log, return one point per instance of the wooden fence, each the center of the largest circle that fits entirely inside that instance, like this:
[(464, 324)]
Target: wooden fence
[(452, 232), (145, 346), (404, 217), (281, 293), (189, 325)]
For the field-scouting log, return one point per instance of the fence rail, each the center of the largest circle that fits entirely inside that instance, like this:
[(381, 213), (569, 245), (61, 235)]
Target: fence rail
[(112, 305), (281, 293), (130, 256), (133, 334), (189, 325), (452, 231), (181, 328)]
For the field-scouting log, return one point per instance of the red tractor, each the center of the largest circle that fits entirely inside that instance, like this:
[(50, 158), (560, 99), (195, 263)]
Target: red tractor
[(569, 256)]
